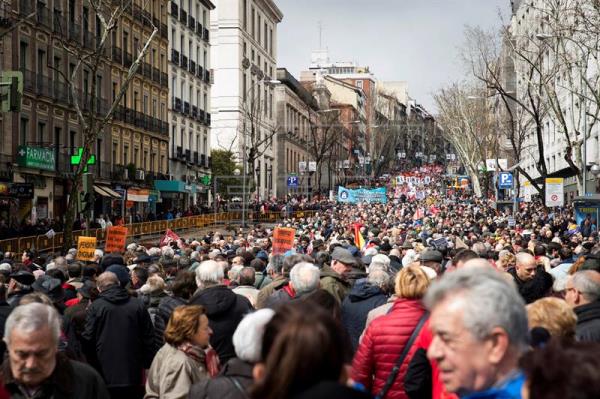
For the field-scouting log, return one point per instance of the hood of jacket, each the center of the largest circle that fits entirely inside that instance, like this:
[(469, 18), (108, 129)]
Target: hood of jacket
[(217, 300), (363, 291), (587, 312), (114, 294), (236, 367)]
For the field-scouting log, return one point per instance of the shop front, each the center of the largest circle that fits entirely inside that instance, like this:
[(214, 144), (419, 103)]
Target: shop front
[(175, 194)]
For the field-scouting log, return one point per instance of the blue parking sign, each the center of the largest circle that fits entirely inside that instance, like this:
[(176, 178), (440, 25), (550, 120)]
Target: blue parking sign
[(505, 180), (292, 181)]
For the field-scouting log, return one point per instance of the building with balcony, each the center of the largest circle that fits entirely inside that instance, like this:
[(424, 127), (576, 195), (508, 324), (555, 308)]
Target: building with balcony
[(189, 109), (244, 56), (130, 150)]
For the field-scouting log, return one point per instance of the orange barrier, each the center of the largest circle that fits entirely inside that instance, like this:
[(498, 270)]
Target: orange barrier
[(44, 243)]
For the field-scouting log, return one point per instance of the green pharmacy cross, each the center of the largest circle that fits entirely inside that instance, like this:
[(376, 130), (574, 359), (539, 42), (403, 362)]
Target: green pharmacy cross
[(206, 180), (76, 159)]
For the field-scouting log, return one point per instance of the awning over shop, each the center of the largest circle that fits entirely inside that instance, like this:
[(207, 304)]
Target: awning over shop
[(105, 192), (101, 192), (110, 191), (174, 186)]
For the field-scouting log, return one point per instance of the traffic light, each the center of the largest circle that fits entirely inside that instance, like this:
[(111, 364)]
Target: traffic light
[(12, 91)]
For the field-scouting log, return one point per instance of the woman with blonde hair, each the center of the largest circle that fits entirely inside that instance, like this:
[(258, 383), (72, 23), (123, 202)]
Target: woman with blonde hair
[(180, 363), (555, 315), (388, 336)]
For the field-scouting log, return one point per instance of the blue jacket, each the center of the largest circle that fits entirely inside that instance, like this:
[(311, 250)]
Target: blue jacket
[(510, 389)]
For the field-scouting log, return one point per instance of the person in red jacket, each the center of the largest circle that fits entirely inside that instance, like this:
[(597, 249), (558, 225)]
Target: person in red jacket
[(385, 338)]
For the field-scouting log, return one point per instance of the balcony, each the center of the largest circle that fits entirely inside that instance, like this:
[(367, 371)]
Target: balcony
[(147, 70), (174, 10), (75, 32), (192, 67), (194, 112), (175, 56), (184, 61), (199, 29), (186, 108), (156, 75), (164, 79), (42, 15), (201, 115), (200, 71), (164, 31), (179, 152), (191, 23), (177, 104), (207, 76), (127, 60), (208, 119), (139, 119), (183, 16), (205, 34), (117, 55)]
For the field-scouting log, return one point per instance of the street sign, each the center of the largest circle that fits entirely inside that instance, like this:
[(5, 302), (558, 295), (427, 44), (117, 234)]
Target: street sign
[(505, 180), (302, 167), (36, 157), (312, 166), (292, 181), (555, 192), (490, 164)]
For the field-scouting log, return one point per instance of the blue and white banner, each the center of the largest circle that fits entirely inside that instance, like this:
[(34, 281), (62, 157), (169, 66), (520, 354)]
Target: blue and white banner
[(375, 195)]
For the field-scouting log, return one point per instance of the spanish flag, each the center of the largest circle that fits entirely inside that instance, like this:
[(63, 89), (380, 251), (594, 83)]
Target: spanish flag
[(359, 241)]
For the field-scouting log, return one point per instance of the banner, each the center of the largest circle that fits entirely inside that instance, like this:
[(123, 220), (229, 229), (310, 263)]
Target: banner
[(283, 240), (85, 248), (169, 237), (116, 237), (375, 195), (555, 192)]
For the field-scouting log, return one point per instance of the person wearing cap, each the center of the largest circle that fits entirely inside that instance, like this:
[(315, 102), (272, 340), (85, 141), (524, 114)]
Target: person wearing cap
[(52, 288), (19, 286), (333, 278), (432, 259)]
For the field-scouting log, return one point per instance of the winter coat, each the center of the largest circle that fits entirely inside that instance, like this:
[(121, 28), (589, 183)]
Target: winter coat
[(167, 305), (224, 385), (152, 301), (280, 297), (534, 289), (588, 322), (510, 389), (119, 337), (172, 374), (247, 291), (381, 346), (266, 292), (224, 309), (334, 283), (356, 306), (261, 280), (5, 310), (69, 380)]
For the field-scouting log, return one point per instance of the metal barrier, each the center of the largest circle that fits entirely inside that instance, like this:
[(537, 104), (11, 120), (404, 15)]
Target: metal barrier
[(44, 243)]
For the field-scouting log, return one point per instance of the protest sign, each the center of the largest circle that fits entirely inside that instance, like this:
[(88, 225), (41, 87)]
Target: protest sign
[(283, 240), (85, 248), (116, 237)]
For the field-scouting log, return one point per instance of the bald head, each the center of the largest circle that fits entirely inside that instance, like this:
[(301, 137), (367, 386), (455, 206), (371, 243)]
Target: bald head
[(525, 266)]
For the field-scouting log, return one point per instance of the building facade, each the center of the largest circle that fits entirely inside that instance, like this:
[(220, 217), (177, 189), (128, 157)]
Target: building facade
[(244, 55), (189, 108)]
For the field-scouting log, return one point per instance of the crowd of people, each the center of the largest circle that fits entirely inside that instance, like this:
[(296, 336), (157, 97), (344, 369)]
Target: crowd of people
[(428, 296)]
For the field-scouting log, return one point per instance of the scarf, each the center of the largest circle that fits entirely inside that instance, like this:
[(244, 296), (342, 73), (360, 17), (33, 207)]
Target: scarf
[(193, 351)]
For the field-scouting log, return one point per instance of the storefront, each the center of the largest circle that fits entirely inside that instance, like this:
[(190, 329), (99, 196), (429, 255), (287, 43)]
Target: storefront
[(175, 194)]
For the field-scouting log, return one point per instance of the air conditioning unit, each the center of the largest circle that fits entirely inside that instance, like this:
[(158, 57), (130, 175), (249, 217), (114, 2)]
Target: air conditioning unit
[(139, 174)]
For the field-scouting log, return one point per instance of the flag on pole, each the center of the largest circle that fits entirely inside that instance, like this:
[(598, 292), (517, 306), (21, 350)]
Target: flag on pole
[(359, 241)]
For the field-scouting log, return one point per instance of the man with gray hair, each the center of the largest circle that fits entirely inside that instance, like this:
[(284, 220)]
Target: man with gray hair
[(304, 279), (479, 327), (583, 294), (224, 308), (35, 368)]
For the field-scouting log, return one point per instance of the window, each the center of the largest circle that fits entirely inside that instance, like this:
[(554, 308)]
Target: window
[(126, 155), (72, 137), (174, 85), (23, 56), (154, 108), (99, 149), (198, 143), (359, 84), (135, 100), (204, 146), (204, 21), (98, 87), (115, 152), (204, 59), (41, 61), (271, 41), (136, 155), (258, 30), (266, 37), (56, 75), (125, 41), (162, 111), (114, 91), (85, 18), (136, 46), (146, 160), (23, 133), (162, 163), (252, 21), (41, 133), (145, 105), (245, 14)]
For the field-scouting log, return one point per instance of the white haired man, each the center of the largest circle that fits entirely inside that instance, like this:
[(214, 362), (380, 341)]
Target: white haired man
[(479, 326), (583, 294), (304, 279), (34, 367), (224, 308)]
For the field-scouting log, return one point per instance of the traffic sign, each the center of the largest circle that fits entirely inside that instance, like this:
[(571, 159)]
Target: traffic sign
[(292, 181), (505, 180)]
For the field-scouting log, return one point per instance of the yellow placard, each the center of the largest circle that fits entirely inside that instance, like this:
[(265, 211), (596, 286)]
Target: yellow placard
[(85, 248)]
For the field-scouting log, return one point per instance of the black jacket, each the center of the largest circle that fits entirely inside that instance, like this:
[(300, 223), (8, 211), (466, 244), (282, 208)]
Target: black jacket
[(234, 377), (5, 310), (588, 322), (534, 289), (119, 337), (363, 298), (69, 380), (166, 307), (224, 310)]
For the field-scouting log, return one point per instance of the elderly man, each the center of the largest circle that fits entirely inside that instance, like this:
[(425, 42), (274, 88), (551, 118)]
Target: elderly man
[(35, 368), (224, 308), (479, 326), (245, 279), (119, 338), (532, 281), (583, 294), (304, 279), (333, 279)]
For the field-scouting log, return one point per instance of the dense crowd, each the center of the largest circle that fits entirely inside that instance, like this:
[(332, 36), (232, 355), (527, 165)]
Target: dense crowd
[(427, 296)]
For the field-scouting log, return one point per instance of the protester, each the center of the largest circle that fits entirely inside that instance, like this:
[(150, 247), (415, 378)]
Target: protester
[(532, 281), (554, 315), (583, 294), (181, 362), (304, 279), (334, 279)]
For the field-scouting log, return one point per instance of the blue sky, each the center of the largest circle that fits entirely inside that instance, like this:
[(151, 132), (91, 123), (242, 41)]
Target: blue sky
[(416, 40)]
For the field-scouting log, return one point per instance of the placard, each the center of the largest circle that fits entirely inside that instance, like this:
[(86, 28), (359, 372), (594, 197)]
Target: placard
[(116, 237), (85, 248), (555, 195), (283, 240)]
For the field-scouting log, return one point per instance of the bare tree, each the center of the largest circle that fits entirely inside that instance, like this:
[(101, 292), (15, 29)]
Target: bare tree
[(468, 126), (109, 14)]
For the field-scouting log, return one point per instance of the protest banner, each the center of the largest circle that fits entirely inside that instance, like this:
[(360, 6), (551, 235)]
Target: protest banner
[(116, 237), (85, 248), (283, 240)]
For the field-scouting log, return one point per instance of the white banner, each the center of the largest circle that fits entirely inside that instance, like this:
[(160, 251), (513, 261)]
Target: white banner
[(527, 191), (555, 192)]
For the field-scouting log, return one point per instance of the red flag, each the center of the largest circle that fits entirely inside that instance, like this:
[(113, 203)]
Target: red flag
[(169, 237), (419, 214)]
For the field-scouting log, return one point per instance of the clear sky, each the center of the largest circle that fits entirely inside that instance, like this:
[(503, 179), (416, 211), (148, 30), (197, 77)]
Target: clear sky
[(416, 41)]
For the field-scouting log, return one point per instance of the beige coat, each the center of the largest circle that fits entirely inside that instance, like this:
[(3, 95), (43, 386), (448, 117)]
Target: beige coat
[(172, 374)]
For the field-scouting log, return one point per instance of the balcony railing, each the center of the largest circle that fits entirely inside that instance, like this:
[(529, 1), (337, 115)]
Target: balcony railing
[(175, 56), (207, 76), (164, 79), (192, 67), (127, 59), (174, 10), (205, 34), (184, 61), (156, 75), (117, 55), (191, 23), (199, 71), (164, 31), (147, 70), (186, 108), (183, 16), (177, 104)]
